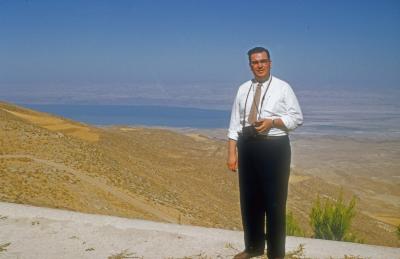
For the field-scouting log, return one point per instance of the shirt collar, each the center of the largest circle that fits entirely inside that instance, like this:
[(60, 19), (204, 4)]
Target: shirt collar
[(254, 81)]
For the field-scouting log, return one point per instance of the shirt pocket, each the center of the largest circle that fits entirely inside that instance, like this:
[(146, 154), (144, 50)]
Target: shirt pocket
[(273, 106)]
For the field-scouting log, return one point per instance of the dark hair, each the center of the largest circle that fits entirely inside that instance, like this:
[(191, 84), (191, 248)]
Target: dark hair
[(258, 50)]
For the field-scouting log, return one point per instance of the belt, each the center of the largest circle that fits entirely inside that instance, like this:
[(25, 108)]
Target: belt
[(263, 137)]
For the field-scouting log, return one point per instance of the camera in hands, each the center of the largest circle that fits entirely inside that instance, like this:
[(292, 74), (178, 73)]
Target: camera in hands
[(249, 132)]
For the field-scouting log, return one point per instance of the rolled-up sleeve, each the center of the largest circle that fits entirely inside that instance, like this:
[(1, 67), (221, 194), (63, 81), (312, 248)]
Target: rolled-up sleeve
[(293, 116), (234, 125)]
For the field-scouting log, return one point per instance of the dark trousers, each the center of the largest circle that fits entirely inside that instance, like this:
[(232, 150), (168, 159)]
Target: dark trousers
[(264, 168)]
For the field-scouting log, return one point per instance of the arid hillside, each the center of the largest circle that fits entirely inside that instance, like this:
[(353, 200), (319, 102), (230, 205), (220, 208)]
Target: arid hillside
[(160, 175)]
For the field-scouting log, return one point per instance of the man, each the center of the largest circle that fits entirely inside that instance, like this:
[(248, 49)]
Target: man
[(264, 111)]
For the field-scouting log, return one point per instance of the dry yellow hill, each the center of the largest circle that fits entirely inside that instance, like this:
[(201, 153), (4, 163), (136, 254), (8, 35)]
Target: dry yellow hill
[(144, 173)]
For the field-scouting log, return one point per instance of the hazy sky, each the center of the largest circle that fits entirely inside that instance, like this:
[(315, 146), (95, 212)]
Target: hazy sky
[(112, 49)]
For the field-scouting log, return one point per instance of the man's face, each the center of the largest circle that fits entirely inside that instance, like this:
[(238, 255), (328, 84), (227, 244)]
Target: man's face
[(260, 65)]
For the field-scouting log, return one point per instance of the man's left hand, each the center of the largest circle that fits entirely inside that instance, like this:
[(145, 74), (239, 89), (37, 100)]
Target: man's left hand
[(263, 125)]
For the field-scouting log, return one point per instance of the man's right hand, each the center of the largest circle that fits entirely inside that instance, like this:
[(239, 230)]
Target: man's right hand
[(232, 162)]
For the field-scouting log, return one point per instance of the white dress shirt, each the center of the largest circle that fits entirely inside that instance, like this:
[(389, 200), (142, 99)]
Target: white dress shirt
[(280, 102)]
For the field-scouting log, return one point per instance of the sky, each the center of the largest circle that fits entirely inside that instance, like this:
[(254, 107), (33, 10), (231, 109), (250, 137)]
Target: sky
[(191, 52)]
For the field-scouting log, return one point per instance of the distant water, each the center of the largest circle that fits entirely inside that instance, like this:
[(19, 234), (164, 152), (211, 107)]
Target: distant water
[(138, 115), (353, 113), (325, 113)]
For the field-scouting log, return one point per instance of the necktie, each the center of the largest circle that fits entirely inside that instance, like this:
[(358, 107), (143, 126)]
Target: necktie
[(254, 106)]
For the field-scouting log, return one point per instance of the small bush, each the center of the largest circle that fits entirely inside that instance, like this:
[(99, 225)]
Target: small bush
[(292, 227), (398, 231), (332, 220)]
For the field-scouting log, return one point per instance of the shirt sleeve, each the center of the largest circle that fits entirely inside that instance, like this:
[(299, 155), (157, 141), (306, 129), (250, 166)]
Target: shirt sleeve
[(294, 116), (234, 125)]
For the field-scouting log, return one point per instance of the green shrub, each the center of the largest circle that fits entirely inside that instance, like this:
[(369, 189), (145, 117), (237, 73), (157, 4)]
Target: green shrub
[(332, 220), (398, 231), (292, 227)]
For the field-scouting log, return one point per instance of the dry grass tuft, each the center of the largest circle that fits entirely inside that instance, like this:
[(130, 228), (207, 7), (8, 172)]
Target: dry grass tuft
[(353, 257), (298, 253), (197, 256), (3, 247), (123, 254), (230, 246)]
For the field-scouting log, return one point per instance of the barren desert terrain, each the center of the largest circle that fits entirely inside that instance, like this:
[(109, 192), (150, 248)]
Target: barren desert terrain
[(180, 177)]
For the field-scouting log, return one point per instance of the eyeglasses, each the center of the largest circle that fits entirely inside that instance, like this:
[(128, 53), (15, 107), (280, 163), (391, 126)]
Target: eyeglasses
[(262, 62)]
